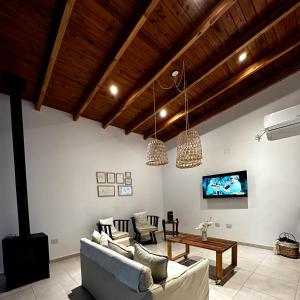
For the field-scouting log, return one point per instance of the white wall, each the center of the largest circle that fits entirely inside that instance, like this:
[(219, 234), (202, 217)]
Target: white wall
[(273, 204), (62, 158)]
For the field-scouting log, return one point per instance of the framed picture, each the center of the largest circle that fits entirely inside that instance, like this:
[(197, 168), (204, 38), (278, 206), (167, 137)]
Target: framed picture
[(110, 177), (128, 181), (101, 178), (106, 190), (127, 174), (120, 178), (124, 190)]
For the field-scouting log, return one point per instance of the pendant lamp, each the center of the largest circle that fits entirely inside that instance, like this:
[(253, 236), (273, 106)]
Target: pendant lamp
[(156, 150), (189, 150)]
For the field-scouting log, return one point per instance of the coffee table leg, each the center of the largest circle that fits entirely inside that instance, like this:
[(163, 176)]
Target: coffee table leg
[(187, 250), (234, 255), (169, 250), (219, 266)]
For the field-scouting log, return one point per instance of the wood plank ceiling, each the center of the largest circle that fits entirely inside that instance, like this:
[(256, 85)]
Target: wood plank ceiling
[(70, 52)]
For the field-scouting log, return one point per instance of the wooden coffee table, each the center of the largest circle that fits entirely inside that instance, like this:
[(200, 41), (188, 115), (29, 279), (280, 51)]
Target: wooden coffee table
[(215, 244)]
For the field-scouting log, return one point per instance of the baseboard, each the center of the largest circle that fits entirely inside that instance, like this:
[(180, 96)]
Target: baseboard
[(64, 257), (256, 246)]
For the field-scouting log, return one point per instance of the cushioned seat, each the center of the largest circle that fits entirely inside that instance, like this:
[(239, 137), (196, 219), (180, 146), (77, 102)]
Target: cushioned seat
[(119, 235), (144, 224), (146, 228)]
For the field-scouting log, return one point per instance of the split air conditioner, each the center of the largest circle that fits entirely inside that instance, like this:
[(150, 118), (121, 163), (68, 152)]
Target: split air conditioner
[(283, 124)]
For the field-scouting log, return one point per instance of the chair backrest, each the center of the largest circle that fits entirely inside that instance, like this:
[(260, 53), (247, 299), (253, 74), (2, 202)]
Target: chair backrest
[(104, 228), (153, 220), (121, 225)]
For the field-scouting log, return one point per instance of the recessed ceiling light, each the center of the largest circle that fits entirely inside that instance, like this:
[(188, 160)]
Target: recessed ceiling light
[(174, 73), (242, 56), (113, 89), (163, 113)]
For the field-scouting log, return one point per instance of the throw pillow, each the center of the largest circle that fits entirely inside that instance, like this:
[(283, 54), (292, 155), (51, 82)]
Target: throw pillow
[(96, 237), (100, 238), (108, 221), (157, 263), (120, 249), (141, 218)]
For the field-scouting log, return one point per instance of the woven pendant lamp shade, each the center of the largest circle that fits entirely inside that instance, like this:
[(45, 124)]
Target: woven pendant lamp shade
[(189, 150), (156, 153)]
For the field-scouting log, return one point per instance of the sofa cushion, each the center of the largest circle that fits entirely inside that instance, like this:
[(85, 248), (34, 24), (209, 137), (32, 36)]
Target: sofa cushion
[(119, 235), (141, 218), (157, 263), (108, 221), (120, 249)]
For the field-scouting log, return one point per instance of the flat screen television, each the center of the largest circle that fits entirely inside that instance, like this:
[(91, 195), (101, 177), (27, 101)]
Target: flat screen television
[(233, 184)]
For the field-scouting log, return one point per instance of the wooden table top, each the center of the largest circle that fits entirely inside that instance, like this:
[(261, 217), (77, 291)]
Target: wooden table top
[(218, 245)]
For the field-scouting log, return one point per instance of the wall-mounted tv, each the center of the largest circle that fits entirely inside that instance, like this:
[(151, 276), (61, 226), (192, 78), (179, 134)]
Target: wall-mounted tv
[(233, 184)]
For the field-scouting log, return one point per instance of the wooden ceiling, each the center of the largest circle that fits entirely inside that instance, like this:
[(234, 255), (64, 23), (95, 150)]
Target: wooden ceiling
[(70, 52)]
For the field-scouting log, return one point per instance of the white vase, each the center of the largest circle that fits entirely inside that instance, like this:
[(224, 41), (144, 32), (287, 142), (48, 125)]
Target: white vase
[(204, 235)]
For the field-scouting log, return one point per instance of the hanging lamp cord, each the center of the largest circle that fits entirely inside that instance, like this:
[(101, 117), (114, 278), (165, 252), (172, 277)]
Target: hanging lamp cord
[(153, 91), (186, 104)]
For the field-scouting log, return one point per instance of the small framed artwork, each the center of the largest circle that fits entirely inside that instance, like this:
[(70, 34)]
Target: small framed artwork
[(106, 190), (128, 181), (101, 178), (120, 178), (127, 174), (110, 177), (124, 190)]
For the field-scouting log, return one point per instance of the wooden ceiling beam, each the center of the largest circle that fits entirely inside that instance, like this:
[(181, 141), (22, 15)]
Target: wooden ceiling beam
[(226, 85), (115, 55), (236, 44), (55, 50), (218, 10), (237, 98)]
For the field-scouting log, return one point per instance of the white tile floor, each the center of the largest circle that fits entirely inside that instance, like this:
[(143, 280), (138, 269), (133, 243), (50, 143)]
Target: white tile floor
[(260, 275)]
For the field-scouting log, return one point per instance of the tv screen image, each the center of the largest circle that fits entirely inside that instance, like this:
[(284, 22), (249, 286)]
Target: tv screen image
[(232, 184)]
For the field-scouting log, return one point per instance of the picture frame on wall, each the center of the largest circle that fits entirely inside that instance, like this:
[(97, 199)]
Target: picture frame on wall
[(128, 181), (120, 178), (101, 178), (106, 190), (127, 174), (110, 177), (125, 190)]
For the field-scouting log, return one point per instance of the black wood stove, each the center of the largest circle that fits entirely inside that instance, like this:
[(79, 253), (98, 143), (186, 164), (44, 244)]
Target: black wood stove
[(25, 257)]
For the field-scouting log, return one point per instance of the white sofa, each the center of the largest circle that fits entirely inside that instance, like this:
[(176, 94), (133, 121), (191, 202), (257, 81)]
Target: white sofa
[(108, 275)]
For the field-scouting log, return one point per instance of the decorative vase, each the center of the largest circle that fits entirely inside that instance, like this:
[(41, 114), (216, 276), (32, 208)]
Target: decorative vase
[(204, 235)]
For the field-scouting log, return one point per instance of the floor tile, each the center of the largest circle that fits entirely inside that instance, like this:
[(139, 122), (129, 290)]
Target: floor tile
[(247, 294), (278, 272), (225, 292), (271, 286)]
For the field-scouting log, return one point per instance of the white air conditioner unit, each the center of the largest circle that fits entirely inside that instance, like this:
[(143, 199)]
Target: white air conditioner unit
[(282, 124)]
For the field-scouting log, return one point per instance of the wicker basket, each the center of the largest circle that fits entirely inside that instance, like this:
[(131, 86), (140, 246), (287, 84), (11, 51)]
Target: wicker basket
[(287, 245)]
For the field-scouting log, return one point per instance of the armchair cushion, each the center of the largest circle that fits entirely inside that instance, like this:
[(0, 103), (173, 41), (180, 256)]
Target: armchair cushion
[(146, 228), (119, 235), (141, 218), (108, 221), (157, 263)]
